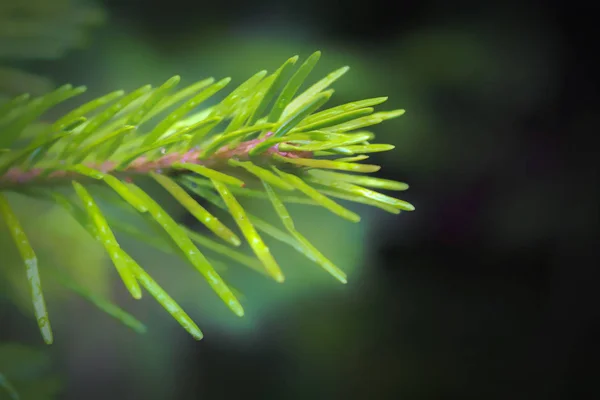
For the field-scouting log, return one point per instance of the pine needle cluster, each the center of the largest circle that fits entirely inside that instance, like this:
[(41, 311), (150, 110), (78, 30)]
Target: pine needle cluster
[(265, 139)]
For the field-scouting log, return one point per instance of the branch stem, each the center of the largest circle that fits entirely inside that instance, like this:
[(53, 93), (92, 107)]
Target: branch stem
[(17, 177)]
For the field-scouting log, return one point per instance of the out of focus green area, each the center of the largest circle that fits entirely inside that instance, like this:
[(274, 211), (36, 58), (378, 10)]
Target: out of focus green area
[(482, 169), (34, 30)]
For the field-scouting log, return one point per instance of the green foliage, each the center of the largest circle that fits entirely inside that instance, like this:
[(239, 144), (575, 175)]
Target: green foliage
[(263, 140), (26, 373), (8, 387), (40, 29)]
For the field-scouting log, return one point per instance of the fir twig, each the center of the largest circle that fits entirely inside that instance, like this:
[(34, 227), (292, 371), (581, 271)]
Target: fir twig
[(263, 140)]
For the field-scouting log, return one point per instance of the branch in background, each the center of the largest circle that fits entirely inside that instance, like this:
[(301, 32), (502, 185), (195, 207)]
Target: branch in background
[(8, 387), (40, 30)]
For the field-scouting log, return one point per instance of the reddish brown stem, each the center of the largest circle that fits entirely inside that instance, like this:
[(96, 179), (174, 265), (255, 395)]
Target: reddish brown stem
[(142, 165)]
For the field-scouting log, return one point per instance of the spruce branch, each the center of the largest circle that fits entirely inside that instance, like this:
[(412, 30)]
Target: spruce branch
[(262, 140)]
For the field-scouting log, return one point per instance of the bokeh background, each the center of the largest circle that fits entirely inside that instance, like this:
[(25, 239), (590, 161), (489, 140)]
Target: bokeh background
[(487, 291)]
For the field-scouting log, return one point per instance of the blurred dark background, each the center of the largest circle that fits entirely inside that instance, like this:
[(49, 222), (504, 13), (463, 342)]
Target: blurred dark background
[(487, 291)]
